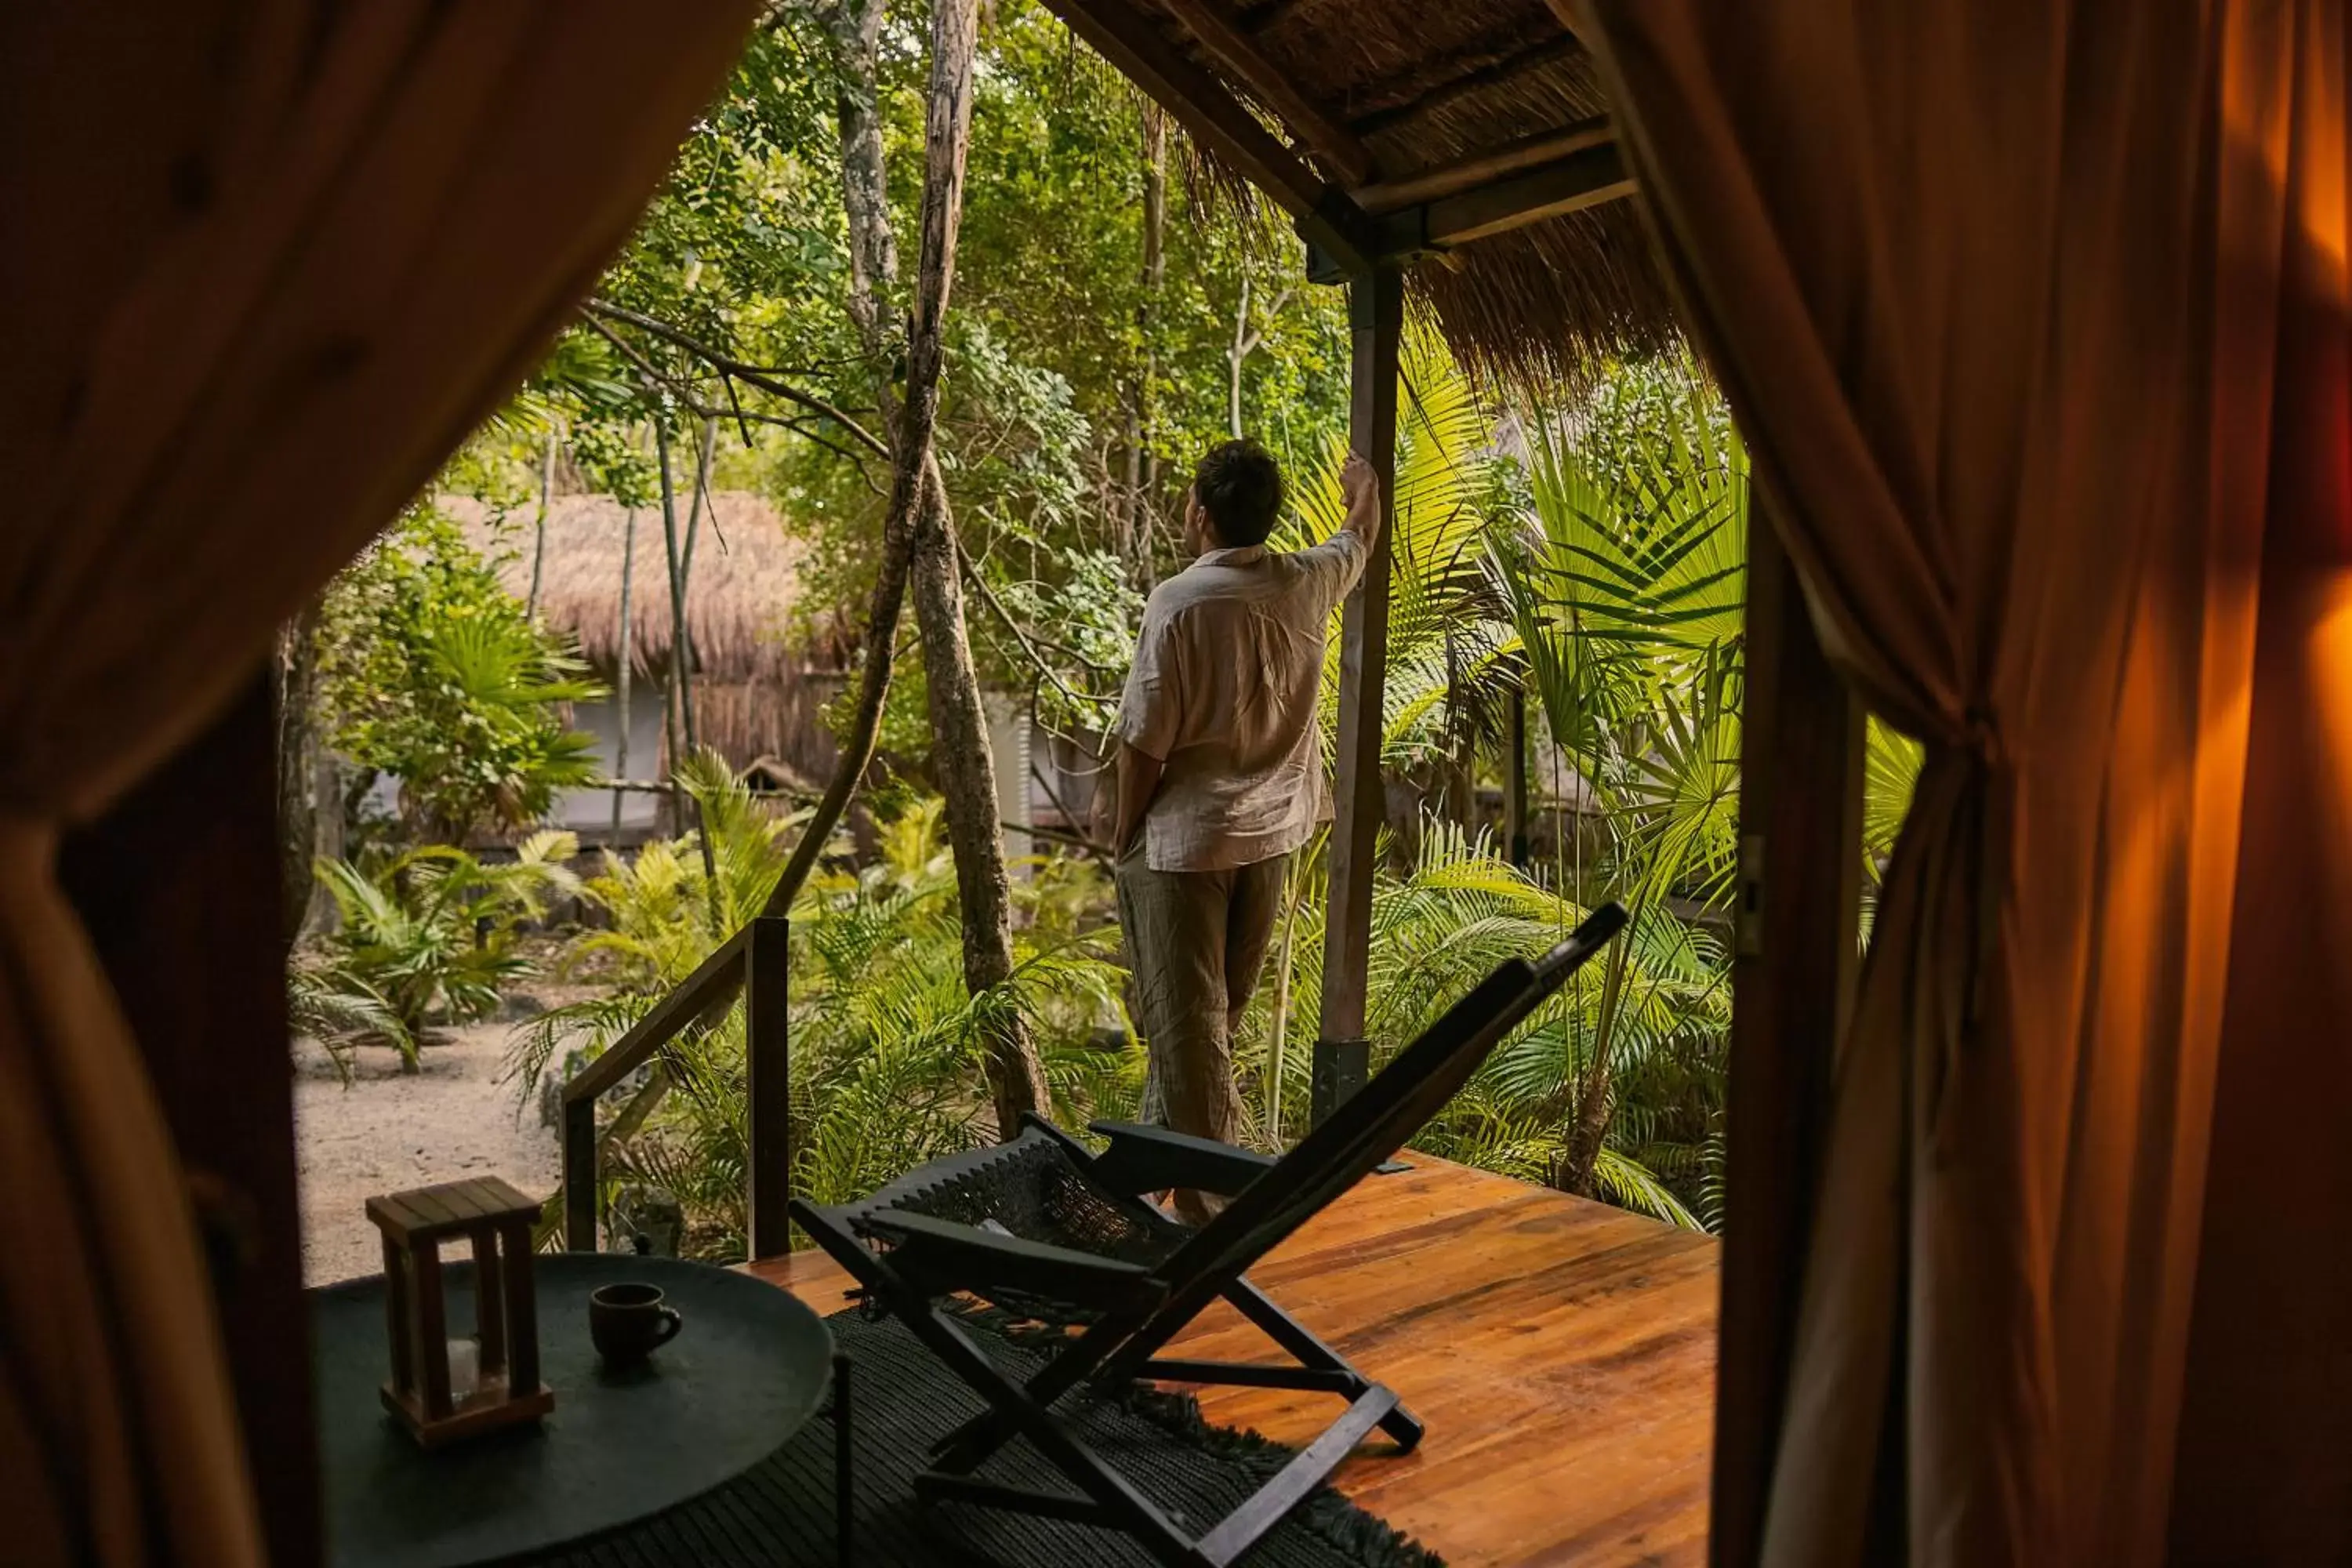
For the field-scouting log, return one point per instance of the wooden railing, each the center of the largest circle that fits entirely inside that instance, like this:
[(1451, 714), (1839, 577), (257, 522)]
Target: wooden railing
[(754, 958)]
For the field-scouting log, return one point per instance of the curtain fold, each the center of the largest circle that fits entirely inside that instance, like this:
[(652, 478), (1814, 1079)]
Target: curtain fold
[(273, 261), (1997, 292)]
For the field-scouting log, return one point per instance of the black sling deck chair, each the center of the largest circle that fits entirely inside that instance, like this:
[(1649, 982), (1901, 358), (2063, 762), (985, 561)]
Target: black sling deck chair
[(1047, 1229)]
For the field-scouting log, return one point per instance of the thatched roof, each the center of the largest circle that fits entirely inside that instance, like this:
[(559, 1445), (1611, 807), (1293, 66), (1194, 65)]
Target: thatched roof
[(742, 597), (1378, 96)]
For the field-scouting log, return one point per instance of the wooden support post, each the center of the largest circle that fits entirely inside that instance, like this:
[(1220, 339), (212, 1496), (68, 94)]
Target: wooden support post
[(490, 1302), (580, 1174), (429, 1317), (1376, 312), (1794, 971), (521, 1309), (767, 1032)]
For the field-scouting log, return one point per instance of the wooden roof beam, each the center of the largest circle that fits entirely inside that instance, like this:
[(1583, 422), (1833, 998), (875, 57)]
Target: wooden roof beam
[(1584, 179), (1483, 168), (1326, 218), (1231, 47)]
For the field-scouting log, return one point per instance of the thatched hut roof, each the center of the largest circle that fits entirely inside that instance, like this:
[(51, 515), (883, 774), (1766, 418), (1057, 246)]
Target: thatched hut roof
[(1382, 98), (743, 617)]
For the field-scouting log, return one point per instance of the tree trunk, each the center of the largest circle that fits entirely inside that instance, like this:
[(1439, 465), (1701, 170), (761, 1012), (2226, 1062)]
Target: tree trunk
[(681, 681), (297, 693), (918, 508), (328, 801), (1141, 468), (621, 684), (1242, 344), (966, 766), (694, 527), (539, 523), (1245, 342), (1595, 1093), (856, 27)]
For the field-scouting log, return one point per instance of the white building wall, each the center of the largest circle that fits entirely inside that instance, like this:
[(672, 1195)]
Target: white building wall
[(589, 810), (1008, 745)]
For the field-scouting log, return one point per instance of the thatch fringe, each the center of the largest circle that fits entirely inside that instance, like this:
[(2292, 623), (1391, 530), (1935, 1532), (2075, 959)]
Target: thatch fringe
[(743, 616), (1424, 85)]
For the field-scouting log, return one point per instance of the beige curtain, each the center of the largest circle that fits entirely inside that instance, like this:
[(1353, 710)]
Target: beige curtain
[(2002, 291), (266, 263)]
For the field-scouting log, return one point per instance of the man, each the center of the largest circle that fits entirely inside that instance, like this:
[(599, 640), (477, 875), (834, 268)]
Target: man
[(1219, 770)]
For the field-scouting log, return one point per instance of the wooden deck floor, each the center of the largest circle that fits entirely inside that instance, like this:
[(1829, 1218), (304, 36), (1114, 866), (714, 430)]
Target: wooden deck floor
[(1562, 1353)]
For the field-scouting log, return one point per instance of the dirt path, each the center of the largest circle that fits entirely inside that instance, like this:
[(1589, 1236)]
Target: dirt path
[(388, 1132)]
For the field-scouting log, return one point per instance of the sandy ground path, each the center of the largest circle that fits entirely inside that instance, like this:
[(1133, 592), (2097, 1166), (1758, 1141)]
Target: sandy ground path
[(388, 1132)]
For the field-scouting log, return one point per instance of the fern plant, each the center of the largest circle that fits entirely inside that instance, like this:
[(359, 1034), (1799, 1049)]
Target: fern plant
[(342, 1010), (427, 936), (886, 1042), (1436, 932)]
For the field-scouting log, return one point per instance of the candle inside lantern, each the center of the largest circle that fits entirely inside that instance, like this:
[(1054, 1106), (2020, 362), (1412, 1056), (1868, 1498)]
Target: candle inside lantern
[(465, 1367)]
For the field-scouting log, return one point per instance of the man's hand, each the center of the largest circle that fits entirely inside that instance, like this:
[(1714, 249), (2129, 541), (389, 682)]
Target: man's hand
[(1360, 485), (1138, 780)]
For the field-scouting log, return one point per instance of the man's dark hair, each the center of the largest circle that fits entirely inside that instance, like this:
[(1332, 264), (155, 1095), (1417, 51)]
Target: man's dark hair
[(1239, 485)]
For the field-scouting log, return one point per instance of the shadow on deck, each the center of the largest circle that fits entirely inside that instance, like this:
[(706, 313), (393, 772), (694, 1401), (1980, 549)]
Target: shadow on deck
[(1561, 1351)]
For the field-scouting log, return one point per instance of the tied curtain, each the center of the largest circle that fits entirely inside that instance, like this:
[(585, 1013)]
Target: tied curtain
[(2035, 317), (269, 262)]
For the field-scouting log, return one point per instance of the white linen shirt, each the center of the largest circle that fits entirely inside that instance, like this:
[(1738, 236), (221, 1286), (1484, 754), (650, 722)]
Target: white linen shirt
[(1228, 669)]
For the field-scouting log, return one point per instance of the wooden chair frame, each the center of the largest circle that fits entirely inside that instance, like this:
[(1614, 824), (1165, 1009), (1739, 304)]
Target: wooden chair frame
[(911, 1263)]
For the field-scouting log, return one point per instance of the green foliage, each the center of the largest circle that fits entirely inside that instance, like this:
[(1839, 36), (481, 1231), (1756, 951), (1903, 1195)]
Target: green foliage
[(427, 936), (1603, 573), (1591, 558), (1063, 356), (342, 1009), (1437, 930), (432, 672), (1890, 764), (1449, 640), (885, 1041)]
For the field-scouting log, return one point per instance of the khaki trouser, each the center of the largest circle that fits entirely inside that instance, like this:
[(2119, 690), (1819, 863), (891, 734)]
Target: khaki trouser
[(1196, 942)]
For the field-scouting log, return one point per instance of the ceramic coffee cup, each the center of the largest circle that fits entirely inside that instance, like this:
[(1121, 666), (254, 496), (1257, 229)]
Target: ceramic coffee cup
[(628, 1321)]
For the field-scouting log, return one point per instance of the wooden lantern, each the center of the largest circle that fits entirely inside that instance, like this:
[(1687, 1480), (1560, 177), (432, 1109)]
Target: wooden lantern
[(446, 1389)]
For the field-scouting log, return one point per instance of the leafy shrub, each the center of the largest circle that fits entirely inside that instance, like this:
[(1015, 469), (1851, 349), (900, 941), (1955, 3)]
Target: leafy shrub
[(340, 1009), (427, 936), (1437, 930), (885, 1044), (432, 672)]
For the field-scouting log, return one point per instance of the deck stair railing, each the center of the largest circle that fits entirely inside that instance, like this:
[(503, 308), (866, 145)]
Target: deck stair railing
[(755, 960)]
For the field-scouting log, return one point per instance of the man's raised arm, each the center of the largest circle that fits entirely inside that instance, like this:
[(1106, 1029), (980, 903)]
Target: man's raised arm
[(1360, 488)]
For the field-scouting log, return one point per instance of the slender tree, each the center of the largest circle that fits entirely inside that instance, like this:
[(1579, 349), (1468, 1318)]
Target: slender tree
[(1245, 342), (1142, 473), (621, 683), (961, 752), (538, 523), (681, 668), (686, 555), (856, 29), (919, 533)]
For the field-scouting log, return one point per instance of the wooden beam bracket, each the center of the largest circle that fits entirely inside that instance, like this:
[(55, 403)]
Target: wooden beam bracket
[(1585, 177)]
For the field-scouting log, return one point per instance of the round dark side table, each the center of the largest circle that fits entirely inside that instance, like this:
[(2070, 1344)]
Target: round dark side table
[(748, 1369)]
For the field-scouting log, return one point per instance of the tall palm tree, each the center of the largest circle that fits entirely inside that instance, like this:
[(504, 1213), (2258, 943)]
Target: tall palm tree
[(1627, 586)]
